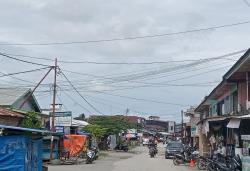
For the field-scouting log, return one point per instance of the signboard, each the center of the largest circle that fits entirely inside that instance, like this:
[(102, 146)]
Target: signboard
[(62, 118), (245, 137), (193, 130), (59, 129)]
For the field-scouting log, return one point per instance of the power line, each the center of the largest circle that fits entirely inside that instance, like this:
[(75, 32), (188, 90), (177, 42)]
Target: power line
[(141, 99), (142, 75), (142, 86), (108, 63), (247, 3), (23, 72), (80, 93), (29, 62), (140, 82), (102, 101), (127, 38), (73, 100)]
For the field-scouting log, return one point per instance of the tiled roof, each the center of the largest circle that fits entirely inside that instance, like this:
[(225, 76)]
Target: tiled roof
[(8, 112)]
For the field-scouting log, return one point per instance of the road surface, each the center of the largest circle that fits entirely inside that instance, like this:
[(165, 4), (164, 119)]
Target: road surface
[(137, 160)]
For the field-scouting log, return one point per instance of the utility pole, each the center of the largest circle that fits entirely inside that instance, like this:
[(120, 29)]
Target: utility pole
[(54, 98), (53, 112), (182, 126)]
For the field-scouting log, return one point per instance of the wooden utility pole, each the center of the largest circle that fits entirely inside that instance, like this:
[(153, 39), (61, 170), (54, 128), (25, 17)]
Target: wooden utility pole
[(54, 98), (53, 112), (182, 126)]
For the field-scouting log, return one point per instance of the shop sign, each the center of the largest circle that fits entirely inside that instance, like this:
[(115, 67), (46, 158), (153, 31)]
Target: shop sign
[(62, 118), (59, 129), (245, 137), (193, 130)]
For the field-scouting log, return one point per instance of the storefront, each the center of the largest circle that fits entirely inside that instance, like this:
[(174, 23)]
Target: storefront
[(239, 134)]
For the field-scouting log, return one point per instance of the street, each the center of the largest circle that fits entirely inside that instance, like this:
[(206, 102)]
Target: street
[(137, 160)]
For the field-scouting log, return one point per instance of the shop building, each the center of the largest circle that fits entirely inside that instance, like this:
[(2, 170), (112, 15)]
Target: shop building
[(228, 100)]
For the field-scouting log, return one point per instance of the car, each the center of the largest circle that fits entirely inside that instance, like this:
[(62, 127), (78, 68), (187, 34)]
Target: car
[(145, 141), (172, 148)]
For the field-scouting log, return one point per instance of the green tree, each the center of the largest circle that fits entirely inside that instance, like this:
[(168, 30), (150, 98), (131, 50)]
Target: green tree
[(31, 121), (96, 131), (113, 124), (103, 126)]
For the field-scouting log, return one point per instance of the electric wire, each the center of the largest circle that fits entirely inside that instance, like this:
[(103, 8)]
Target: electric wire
[(128, 38), (73, 100), (23, 72), (144, 86), (247, 3), (29, 62), (93, 107), (116, 63)]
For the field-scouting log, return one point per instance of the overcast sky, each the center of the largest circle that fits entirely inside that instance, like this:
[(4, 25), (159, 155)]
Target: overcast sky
[(46, 21)]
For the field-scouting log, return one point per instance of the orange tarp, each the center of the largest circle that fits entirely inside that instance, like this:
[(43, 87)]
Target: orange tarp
[(75, 144)]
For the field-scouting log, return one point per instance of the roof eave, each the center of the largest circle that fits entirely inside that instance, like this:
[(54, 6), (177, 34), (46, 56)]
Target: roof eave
[(237, 65)]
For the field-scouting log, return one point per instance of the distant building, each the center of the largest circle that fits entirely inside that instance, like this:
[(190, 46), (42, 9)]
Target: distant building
[(155, 118), (139, 121), (155, 124)]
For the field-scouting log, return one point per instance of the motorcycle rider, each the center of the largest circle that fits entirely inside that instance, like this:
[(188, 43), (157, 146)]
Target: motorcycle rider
[(152, 144)]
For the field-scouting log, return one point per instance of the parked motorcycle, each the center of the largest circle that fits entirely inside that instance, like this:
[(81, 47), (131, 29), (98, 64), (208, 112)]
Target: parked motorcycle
[(122, 147), (96, 150), (90, 156), (227, 163), (202, 162), (185, 157)]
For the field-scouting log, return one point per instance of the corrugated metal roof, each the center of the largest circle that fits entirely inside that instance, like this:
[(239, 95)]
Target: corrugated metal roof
[(9, 95), (44, 132), (8, 112), (23, 129)]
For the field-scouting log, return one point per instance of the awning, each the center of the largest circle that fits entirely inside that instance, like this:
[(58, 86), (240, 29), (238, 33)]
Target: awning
[(234, 123), (244, 117), (79, 123), (213, 119)]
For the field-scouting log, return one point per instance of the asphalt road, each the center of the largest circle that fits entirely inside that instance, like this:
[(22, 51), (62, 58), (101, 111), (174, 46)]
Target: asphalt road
[(137, 160)]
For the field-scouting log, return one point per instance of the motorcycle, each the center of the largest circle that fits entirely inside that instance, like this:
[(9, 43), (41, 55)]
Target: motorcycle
[(202, 162), (121, 147), (227, 163), (185, 157), (237, 163), (152, 151), (90, 157), (96, 150)]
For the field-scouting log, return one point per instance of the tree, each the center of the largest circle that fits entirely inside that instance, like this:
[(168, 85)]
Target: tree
[(114, 124), (103, 126), (31, 121), (96, 131)]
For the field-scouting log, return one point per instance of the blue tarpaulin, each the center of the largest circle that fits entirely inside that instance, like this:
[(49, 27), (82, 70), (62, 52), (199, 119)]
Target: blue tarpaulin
[(20, 153)]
